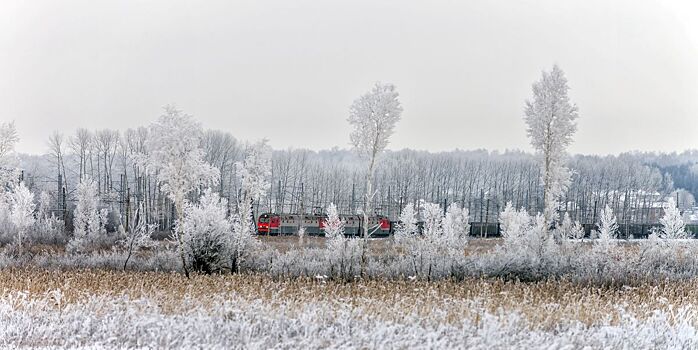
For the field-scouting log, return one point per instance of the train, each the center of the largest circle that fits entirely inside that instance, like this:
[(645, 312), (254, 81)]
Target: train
[(288, 224)]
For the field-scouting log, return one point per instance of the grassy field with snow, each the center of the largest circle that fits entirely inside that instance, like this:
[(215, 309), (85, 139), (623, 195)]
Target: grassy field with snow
[(106, 309)]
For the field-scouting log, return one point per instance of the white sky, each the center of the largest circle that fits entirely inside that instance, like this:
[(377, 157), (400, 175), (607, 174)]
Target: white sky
[(288, 70)]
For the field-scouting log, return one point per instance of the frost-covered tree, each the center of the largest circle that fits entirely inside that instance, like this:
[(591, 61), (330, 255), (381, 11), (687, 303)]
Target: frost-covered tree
[(550, 119), (407, 235), (455, 227), (205, 230), (526, 239), (47, 228), (373, 117), (242, 241), (138, 235), (432, 233), (513, 224), (441, 242), (333, 226), (673, 226), (44, 206), (340, 249), (176, 158), (22, 212), (89, 221), (8, 160), (570, 230), (407, 224), (253, 172), (608, 228), (8, 138)]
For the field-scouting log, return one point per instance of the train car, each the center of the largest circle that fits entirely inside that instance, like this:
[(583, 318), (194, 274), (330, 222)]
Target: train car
[(288, 224), (352, 225)]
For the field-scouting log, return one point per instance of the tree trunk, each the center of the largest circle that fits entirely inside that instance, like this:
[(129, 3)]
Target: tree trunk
[(180, 238)]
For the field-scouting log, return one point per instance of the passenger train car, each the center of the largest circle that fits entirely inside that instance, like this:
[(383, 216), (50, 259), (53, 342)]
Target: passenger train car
[(288, 224)]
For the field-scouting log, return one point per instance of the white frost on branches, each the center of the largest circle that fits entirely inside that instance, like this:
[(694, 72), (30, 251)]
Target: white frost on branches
[(526, 238), (513, 224), (242, 240), (407, 225), (176, 158), (673, 226), (334, 229), (456, 227), (175, 155), (138, 235), (608, 229), (205, 229), (89, 220), (442, 239), (341, 250), (373, 117), (253, 172), (550, 120), (22, 211), (570, 230), (8, 160)]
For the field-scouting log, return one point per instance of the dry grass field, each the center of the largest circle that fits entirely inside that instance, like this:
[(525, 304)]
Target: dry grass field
[(129, 309)]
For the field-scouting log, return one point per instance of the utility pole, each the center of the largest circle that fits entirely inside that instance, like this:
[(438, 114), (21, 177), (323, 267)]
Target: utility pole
[(128, 207), (353, 198)]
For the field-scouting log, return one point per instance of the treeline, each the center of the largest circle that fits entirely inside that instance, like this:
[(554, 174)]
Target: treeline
[(303, 181)]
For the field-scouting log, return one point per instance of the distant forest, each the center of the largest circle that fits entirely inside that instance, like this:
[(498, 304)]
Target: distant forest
[(305, 181)]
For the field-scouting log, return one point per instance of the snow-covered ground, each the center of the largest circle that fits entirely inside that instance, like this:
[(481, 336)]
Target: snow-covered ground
[(122, 323)]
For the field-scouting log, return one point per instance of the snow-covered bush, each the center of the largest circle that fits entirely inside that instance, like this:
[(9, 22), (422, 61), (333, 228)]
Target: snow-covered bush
[(666, 244), (48, 229), (301, 236), (673, 227), (22, 208), (456, 228), (205, 228), (608, 229), (89, 222), (524, 236), (241, 241), (569, 230), (439, 248), (529, 248), (342, 252), (514, 224)]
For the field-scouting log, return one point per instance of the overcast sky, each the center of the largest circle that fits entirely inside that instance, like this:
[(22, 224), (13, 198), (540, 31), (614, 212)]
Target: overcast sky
[(288, 70)]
